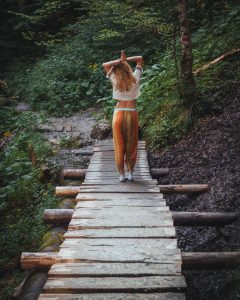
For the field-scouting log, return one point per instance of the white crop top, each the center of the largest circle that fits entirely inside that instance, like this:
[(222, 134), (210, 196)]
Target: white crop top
[(133, 93)]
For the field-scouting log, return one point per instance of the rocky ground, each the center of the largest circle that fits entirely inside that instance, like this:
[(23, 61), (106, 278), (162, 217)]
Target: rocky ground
[(211, 154)]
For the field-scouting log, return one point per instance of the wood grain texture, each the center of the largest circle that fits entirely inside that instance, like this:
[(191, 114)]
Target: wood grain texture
[(114, 296), (131, 232), (116, 284), (113, 269)]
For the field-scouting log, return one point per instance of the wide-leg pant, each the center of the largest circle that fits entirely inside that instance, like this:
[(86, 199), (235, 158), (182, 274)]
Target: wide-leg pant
[(125, 138)]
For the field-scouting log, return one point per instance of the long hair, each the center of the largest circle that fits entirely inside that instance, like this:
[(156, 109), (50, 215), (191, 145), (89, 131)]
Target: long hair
[(124, 76)]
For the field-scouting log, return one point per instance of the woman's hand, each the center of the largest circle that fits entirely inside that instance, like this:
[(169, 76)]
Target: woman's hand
[(123, 56)]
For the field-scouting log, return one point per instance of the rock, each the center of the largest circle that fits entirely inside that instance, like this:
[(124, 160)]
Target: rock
[(21, 107), (102, 130)]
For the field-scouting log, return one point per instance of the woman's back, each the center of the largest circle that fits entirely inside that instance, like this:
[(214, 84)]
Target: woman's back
[(133, 93)]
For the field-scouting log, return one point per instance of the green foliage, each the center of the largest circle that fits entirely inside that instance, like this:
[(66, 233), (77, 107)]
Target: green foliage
[(23, 196)]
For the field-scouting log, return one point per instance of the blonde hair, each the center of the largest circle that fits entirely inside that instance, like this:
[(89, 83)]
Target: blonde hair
[(124, 76)]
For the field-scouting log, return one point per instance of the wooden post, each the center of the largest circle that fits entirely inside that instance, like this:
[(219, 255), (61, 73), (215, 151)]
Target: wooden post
[(183, 188)]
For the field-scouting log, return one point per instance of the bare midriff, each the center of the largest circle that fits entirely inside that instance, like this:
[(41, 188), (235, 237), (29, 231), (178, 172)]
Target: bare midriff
[(126, 103)]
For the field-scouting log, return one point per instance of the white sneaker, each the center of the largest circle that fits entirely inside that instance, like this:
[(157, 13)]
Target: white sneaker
[(130, 176), (122, 177)]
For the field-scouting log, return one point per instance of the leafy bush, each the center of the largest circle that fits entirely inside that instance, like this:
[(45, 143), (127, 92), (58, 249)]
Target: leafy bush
[(23, 195)]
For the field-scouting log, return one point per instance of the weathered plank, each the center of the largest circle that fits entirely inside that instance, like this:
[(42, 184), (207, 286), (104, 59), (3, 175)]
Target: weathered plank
[(131, 232), (113, 269), (123, 188), (117, 196), (116, 284), (122, 222), (115, 246), (114, 181), (121, 202), (121, 212), (114, 296)]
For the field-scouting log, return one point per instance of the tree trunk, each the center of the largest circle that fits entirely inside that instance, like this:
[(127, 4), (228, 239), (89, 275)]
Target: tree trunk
[(187, 83)]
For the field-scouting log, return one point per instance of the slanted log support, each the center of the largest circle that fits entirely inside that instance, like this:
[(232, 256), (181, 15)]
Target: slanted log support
[(183, 188)]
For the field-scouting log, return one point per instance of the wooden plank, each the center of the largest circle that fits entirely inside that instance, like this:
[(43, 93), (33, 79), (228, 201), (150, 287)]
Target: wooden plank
[(131, 232), (118, 212), (109, 168), (116, 246), (123, 188), (117, 196), (166, 220), (115, 181), (113, 269), (100, 203), (114, 296), (115, 284), (137, 178)]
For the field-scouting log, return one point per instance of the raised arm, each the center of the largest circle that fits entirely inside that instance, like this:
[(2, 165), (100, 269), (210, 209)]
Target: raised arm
[(137, 59), (107, 66)]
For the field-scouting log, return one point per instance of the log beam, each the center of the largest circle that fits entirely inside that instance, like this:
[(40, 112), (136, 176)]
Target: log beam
[(70, 191), (60, 216), (210, 260), (74, 173), (80, 173), (183, 188), (63, 216), (156, 173), (203, 218), (190, 260)]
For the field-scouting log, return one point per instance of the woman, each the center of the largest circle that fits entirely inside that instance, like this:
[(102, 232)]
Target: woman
[(126, 89)]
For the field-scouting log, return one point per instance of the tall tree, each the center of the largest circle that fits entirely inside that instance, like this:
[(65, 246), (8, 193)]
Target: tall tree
[(187, 83)]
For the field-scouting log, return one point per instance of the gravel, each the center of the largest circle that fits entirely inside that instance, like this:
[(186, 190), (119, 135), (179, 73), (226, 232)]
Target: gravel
[(210, 154)]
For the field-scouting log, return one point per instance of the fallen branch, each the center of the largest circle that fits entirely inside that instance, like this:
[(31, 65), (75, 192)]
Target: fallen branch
[(216, 60)]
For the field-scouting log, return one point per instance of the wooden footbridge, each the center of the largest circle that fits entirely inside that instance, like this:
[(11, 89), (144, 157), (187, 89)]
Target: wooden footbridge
[(120, 242)]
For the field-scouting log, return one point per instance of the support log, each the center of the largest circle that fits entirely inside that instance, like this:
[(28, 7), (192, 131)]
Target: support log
[(67, 190), (40, 260), (155, 173), (203, 218), (210, 260), (74, 173), (82, 152), (190, 260), (183, 188), (80, 173), (63, 216), (60, 216)]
